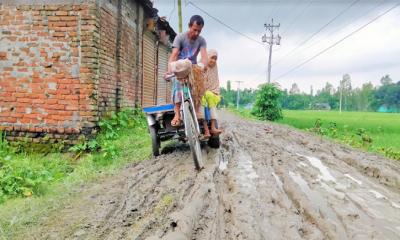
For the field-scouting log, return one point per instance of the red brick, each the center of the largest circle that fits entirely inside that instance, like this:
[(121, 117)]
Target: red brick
[(72, 107), (59, 34), (61, 13), (72, 97), (57, 24), (71, 24), (31, 116), (25, 120), (54, 18), (52, 101), (68, 18), (65, 113), (63, 92)]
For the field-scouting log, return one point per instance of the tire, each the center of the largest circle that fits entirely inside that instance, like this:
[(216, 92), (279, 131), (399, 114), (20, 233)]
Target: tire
[(214, 142), (155, 140), (192, 136)]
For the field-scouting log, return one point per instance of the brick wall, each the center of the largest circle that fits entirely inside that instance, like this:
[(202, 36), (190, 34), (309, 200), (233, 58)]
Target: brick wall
[(66, 64), (121, 30), (46, 68)]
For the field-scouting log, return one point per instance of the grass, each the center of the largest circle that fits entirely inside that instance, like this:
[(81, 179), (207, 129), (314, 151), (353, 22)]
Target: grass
[(371, 131), (384, 128), (59, 174)]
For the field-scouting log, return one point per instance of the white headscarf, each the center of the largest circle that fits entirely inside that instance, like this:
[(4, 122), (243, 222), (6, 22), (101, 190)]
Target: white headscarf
[(211, 53)]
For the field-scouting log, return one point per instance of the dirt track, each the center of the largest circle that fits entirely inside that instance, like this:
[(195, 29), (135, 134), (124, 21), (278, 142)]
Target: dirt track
[(266, 182)]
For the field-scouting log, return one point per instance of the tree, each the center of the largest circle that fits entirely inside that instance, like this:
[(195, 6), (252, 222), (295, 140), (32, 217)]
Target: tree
[(295, 89), (366, 97), (389, 96), (386, 80), (228, 86), (345, 89), (327, 95), (267, 105), (361, 98)]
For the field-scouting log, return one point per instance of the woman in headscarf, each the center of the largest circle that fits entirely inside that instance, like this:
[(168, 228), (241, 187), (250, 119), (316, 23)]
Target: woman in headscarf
[(211, 97)]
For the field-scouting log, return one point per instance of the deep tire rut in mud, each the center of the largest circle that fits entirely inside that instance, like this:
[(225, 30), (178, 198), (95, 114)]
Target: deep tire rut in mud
[(266, 181)]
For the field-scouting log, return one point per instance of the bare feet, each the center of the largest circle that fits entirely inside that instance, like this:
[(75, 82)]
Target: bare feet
[(215, 131), (207, 135)]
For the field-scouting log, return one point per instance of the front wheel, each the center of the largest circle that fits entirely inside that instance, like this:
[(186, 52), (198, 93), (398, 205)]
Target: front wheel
[(192, 135)]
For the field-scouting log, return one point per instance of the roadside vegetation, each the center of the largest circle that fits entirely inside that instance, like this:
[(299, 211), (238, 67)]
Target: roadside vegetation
[(369, 120), (122, 139), (367, 98), (32, 185), (374, 132)]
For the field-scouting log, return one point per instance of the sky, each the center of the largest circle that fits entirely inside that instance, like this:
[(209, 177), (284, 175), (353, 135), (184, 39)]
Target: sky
[(307, 27)]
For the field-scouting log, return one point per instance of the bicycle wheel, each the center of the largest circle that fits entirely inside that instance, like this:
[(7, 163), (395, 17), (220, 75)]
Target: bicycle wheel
[(192, 135)]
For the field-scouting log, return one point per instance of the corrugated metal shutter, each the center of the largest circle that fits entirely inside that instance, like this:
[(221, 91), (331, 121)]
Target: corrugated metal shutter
[(149, 69), (169, 89), (162, 85)]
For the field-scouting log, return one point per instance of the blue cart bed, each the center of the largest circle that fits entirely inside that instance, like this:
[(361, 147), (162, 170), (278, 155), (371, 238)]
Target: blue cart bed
[(159, 108)]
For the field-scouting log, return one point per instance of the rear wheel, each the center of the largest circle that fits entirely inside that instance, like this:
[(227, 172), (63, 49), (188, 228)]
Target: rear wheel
[(192, 135), (214, 142), (155, 140)]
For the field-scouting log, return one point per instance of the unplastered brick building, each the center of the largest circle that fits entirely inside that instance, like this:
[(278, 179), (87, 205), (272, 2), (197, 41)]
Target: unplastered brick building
[(66, 64)]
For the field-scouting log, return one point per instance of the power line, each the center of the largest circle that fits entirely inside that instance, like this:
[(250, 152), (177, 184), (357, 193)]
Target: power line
[(296, 18), (336, 43), (224, 24), (318, 31), (344, 26)]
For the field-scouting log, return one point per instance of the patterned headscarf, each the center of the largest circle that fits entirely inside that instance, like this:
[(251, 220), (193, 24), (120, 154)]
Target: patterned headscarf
[(212, 79)]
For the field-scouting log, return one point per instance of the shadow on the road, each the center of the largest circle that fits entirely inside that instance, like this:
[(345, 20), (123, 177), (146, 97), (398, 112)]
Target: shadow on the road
[(174, 146)]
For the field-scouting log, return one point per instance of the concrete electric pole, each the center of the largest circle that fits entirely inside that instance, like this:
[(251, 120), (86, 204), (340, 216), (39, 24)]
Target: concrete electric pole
[(238, 94), (271, 40), (180, 15)]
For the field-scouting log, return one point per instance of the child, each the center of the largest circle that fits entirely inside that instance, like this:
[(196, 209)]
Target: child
[(211, 97)]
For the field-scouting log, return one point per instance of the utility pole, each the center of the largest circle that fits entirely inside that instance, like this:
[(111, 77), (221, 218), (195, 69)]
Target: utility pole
[(271, 40), (238, 95), (341, 95), (180, 15)]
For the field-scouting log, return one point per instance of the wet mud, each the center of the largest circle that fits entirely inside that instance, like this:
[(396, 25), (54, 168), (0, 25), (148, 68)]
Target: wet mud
[(267, 181)]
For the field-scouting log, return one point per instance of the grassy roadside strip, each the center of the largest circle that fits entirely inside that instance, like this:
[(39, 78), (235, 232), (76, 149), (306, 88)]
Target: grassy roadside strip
[(374, 132), (34, 185)]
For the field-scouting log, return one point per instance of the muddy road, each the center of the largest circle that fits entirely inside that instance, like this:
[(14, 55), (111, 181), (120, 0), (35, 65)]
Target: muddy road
[(265, 182)]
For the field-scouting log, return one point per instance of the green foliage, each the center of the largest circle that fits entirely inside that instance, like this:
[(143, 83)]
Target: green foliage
[(389, 152), (389, 95), (23, 176), (111, 129), (295, 101), (267, 105), (377, 132), (229, 96), (358, 138), (365, 98), (25, 173)]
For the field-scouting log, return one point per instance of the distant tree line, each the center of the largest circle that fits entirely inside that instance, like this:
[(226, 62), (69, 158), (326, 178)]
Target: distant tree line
[(385, 97)]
